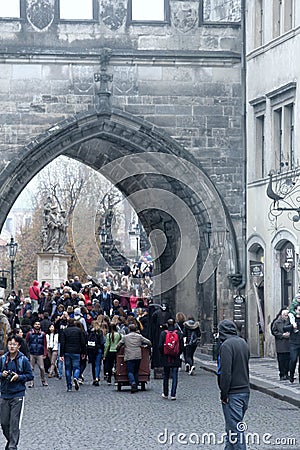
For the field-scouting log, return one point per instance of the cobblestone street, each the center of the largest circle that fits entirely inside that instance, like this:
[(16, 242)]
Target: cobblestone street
[(103, 418)]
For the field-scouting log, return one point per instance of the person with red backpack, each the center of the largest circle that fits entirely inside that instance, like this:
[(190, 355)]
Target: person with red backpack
[(170, 346)]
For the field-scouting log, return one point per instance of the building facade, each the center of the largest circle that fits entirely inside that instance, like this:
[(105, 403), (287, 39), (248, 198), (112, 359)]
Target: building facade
[(273, 43)]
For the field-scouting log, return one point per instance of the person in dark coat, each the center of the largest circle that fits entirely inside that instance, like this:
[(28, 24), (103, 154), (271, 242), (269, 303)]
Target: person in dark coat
[(45, 322), (76, 284), (294, 343), (144, 321), (282, 343), (72, 348), (158, 321), (126, 269), (105, 300), (23, 344), (233, 380), (192, 333), (27, 322), (115, 308), (170, 363)]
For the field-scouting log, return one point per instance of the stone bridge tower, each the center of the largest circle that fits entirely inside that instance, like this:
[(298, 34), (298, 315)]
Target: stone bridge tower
[(156, 105)]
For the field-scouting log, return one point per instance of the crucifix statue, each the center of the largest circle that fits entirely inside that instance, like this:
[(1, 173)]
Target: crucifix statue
[(104, 78)]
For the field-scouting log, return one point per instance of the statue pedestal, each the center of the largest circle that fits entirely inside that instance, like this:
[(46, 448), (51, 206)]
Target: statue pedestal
[(53, 268)]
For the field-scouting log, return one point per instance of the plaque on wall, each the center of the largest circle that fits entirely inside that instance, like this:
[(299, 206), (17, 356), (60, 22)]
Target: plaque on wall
[(113, 13), (256, 269), (287, 257), (184, 17)]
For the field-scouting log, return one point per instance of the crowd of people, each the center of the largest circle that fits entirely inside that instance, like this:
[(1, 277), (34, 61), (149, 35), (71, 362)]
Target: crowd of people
[(61, 330), (64, 329), (94, 331), (90, 320)]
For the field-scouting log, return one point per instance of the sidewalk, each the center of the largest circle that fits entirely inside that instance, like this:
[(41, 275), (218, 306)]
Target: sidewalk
[(264, 377)]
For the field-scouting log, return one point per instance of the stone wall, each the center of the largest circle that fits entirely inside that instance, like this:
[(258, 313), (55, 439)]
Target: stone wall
[(183, 77)]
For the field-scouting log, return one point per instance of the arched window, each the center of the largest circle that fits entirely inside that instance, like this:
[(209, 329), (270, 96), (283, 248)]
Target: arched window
[(287, 264)]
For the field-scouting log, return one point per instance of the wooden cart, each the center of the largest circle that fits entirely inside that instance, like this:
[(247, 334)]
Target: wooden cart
[(121, 370)]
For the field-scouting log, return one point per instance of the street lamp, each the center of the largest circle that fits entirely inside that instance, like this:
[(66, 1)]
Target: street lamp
[(12, 248), (135, 230), (217, 243), (137, 236)]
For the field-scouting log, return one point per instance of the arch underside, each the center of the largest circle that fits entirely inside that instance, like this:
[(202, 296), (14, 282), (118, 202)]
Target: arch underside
[(137, 158)]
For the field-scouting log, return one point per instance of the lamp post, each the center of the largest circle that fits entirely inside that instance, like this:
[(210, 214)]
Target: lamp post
[(216, 244), (135, 230), (137, 236), (12, 248), (215, 319)]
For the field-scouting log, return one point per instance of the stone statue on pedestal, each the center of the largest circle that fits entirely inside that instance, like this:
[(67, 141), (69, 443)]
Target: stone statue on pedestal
[(54, 231)]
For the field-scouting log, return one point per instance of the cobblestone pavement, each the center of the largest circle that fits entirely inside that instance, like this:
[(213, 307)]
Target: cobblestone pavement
[(103, 418), (264, 376)]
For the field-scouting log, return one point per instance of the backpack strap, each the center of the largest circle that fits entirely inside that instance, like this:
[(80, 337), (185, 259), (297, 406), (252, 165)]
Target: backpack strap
[(21, 363), (2, 361), (179, 327)]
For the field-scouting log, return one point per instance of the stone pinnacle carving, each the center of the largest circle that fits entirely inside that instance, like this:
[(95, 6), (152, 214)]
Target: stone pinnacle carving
[(103, 95)]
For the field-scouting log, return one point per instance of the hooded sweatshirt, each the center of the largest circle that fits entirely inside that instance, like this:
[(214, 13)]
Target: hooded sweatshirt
[(34, 291), (233, 371)]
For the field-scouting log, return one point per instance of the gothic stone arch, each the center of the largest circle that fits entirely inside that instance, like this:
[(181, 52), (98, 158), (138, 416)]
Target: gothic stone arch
[(111, 142)]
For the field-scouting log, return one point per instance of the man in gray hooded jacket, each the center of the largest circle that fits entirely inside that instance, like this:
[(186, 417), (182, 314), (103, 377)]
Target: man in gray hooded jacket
[(233, 379)]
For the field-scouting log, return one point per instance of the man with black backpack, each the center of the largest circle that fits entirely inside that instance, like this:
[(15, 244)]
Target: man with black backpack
[(170, 347)]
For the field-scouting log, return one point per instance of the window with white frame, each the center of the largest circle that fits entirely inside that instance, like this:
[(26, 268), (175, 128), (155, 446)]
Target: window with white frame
[(289, 138), (259, 154), (10, 9), (148, 11), (259, 23), (277, 138), (76, 9), (283, 136), (260, 146), (283, 16), (282, 107)]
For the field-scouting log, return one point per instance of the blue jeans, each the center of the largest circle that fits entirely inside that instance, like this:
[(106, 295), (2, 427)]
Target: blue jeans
[(133, 367), (72, 367), (174, 372), (96, 364), (60, 364), (189, 354), (234, 412)]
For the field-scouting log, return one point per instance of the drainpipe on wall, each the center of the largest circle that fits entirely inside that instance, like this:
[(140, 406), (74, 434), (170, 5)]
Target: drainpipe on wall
[(244, 144)]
